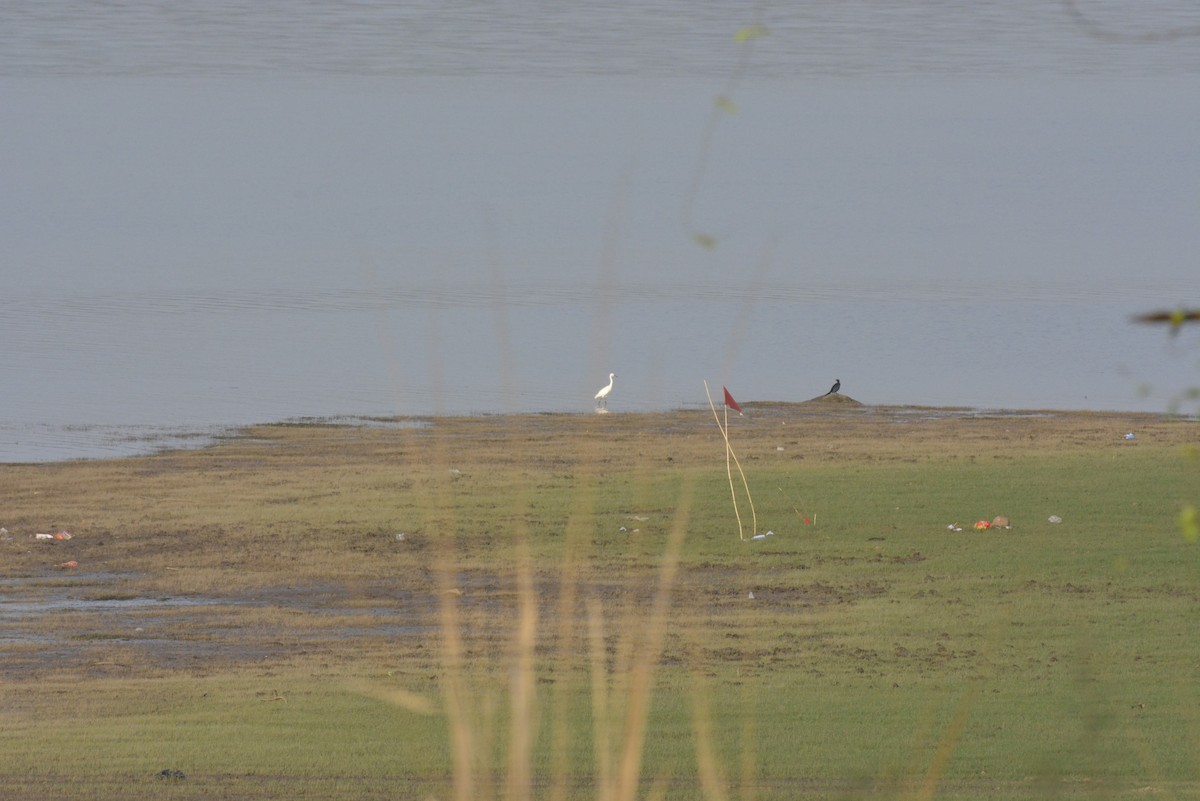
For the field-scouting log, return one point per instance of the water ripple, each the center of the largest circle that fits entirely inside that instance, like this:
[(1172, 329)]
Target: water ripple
[(47, 308), (661, 38)]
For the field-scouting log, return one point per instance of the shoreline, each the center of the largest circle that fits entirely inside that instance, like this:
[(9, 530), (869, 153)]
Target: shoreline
[(100, 442)]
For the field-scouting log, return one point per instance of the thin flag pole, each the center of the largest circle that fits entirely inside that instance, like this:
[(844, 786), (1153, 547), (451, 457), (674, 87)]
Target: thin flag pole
[(729, 454), (728, 471)]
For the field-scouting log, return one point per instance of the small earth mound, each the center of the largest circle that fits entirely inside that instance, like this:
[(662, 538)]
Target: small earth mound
[(835, 399)]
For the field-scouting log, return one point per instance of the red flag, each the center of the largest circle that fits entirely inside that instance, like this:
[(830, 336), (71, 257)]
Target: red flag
[(731, 403)]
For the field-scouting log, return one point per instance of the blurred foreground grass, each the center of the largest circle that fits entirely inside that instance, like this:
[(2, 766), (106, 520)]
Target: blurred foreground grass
[(559, 606)]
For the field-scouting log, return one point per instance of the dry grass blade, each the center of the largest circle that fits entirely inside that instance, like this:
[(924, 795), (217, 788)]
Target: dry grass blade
[(454, 692), (712, 783), (602, 736), (949, 742), (524, 702), (642, 677), (393, 696)]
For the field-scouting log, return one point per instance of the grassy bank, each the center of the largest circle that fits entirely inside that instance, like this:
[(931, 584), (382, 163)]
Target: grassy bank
[(560, 606)]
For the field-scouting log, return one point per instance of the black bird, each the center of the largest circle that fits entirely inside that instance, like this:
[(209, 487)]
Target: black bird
[(837, 384)]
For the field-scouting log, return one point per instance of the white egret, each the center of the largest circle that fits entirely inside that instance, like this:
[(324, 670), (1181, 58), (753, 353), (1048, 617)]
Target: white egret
[(602, 395)]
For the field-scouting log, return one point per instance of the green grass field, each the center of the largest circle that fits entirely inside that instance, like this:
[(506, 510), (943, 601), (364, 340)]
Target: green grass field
[(586, 622)]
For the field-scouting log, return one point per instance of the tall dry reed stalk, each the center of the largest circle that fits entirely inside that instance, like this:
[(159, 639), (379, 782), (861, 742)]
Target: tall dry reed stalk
[(621, 695)]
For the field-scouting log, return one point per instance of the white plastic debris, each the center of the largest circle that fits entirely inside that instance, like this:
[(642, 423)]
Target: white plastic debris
[(61, 535), (1055, 519), (1129, 435)]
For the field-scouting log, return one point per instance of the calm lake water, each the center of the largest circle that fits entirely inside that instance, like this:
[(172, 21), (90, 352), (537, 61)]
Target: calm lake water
[(250, 212)]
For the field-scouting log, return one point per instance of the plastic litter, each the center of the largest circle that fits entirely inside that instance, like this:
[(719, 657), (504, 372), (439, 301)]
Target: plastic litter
[(61, 535), (999, 521), (763, 536), (1129, 435), (1054, 519)]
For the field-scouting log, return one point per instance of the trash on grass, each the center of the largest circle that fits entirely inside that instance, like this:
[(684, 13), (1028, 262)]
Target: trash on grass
[(61, 535), (999, 521), (1054, 519), (763, 536), (1129, 435)]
